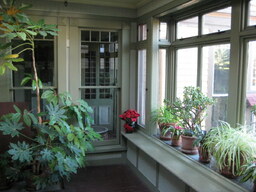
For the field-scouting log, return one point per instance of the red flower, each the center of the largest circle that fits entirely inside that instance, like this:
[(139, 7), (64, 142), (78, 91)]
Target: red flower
[(128, 128), (130, 115)]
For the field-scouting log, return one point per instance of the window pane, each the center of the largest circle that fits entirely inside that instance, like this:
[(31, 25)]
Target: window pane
[(217, 21), (44, 55), (162, 76), (186, 69), (215, 75), (251, 84), (141, 85), (187, 28), (142, 32), (252, 13), (163, 30)]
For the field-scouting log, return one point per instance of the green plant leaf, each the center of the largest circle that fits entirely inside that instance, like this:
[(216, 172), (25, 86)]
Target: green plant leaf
[(46, 155), (43, 33), (11, 127), (25, 80), (34, 85), (11, 66), (20, 152), (22, 35), (26, 118), (17, 109), (31, 32), (2, 69), (18, 60), (70, 137)]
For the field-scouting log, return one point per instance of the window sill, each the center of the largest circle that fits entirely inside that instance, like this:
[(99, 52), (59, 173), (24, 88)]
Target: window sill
[(186, 168)]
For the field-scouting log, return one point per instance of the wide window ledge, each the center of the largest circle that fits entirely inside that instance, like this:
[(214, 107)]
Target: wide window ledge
[(189, 170)]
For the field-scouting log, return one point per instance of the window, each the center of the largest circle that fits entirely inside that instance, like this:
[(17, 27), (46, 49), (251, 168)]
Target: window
[(44, 50), (215, 76), (251, 84), (142, 32), (186, 69), (99, 79), (217, 21), (252, 13), (163, 31), (141, 101), (162, 76), (187, 28)]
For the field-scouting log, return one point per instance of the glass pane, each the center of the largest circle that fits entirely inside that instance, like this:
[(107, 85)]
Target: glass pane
[(104, 36), (88, 64), (186, 69), (187, 28), (142, 86), (163, 30), (251, 85), (252, 13), (95, 35), (142, 32), (162, 76), (44, 54), (104, 114), (217, 21), (85, 35), (215, 75), (114, 37)]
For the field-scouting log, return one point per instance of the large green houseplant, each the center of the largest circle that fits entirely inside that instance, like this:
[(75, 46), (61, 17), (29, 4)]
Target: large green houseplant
[(231, 148), (191, 110), (62, 134), (164, 116)]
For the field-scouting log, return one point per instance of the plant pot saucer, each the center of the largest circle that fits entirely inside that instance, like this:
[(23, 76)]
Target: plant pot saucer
[(190, 151)]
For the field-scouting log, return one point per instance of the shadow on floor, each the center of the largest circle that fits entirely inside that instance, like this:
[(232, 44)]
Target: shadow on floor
[(111, 178)]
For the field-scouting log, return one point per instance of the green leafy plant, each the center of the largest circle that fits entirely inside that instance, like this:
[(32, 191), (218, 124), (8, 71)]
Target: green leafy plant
[(62, 134), (192, 109), (231, 147), (249, 172)]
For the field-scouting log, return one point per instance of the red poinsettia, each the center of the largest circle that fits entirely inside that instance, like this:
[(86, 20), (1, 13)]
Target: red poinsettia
[(130, 114)]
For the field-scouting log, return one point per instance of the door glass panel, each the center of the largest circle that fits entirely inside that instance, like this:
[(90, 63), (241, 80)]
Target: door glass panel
[(99, 73)]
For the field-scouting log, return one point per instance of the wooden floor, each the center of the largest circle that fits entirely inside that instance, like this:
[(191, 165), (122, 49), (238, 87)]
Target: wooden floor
[(114, 178), (111, 178)]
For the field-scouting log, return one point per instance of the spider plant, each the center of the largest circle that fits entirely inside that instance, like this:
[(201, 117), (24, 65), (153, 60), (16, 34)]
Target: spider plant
[(231, 148)]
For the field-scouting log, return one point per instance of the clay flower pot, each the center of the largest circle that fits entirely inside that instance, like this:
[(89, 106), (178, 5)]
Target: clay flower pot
[(176, 141), (187, 145), (204, 155), (168, 135)]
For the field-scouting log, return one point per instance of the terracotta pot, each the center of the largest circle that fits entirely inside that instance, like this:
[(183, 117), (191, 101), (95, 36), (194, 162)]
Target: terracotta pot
[(204, 155), (176, 141), (168, 135), (227, 172), (187, 145)]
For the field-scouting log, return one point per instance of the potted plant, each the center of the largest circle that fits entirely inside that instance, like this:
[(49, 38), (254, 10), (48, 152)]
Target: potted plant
[(176, 131), (203, 151), (191, 112), (130, 117), (231, 148), (165, 117), (249, 173), (62, 134)]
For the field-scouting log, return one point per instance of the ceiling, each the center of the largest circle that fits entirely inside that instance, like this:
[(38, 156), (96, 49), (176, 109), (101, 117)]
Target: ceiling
[(132, 4)]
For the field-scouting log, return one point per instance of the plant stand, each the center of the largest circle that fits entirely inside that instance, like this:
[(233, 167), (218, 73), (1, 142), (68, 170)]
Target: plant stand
[(187, 145)]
